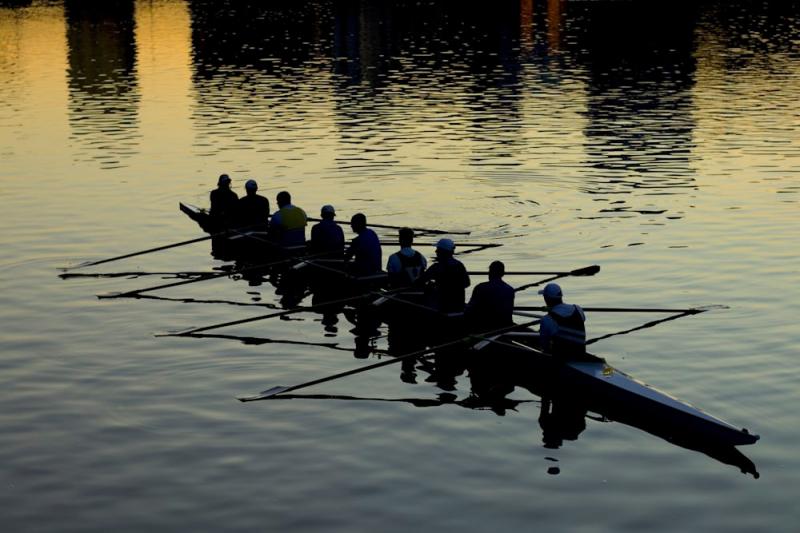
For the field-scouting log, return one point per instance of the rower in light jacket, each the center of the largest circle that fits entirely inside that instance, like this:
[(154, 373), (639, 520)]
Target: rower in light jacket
[(562, 331)]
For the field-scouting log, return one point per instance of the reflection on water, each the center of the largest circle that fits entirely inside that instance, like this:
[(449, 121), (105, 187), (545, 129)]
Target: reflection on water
[(103, 87)]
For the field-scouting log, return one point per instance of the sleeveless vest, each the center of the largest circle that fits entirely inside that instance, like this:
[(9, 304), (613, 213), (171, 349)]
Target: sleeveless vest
[(411, 267), (570, 339)]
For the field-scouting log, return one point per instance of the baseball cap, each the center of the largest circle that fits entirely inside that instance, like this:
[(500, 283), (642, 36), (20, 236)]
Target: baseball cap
[(446, 244), (551, 290)]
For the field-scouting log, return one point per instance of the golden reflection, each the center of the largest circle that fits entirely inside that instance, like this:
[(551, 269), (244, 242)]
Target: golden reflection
[(32, 70), (163, 66)]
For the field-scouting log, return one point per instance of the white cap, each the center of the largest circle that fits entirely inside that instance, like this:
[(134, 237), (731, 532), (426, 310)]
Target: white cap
[(327, 208), (223, 178), (552, 291), (251, 185), (446, 244)]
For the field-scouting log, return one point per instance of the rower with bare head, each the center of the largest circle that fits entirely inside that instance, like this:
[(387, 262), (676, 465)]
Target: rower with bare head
[(492, 302), (406, 265), (562, 331), (288, 225), (364, 252)]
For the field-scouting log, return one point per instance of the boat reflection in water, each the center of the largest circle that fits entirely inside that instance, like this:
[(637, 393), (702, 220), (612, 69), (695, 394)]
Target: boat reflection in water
[(566, 397)]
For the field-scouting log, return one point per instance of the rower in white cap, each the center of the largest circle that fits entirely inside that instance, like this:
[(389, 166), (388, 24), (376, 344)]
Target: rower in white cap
[(446, 279), (326, 235), (562, 331), (253, 208)]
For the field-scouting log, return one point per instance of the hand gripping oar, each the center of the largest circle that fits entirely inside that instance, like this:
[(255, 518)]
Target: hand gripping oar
[(274, 391), (585, 271)]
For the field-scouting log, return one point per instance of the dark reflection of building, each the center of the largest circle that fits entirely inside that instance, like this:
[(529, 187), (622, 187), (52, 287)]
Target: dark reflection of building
[(640, 66), (405, 68), (103, 89)]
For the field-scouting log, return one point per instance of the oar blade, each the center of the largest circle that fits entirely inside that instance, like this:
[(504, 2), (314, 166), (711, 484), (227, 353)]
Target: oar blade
[(263, 395), (586, 271)]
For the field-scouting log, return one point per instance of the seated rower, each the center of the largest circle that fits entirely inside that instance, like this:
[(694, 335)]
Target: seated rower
[(223, 202), (364, 252), (327, 237), (447, 278), (253, 209), (407, 265), (492, 302), (288, 225), (562, 331)]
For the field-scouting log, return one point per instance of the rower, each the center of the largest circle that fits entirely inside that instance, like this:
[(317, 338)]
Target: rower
[(288, 225), (223, 201), (447, 278), (327, 236), (492, 302), (562, 331), (407, 265), (364, 252), (253, 208)]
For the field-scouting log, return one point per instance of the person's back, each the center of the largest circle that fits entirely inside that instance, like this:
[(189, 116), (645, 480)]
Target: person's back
[(562, 331), (492, 302), (407, 265), (327, 237), (223, 201), (364, 251), (449, 278), (253, 209), (288, 224)]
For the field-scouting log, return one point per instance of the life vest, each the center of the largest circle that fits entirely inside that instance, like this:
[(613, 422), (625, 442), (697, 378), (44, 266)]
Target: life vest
[(570, 339), (411, 267)]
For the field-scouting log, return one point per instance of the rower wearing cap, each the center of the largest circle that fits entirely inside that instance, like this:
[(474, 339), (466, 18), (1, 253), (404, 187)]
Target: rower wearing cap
[(562, 331), (253, 208), (492, 302), (223, 201), (364, 252), (327, 237), (447, 278), (288, 224), (407, 265)]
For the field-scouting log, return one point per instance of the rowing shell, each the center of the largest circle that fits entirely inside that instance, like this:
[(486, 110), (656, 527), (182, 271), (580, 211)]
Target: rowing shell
[(618, 396)]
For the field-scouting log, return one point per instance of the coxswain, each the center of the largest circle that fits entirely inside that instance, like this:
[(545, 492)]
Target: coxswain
[(327, 237), (562, 331), (364, 252), (253, 208), (447, 278), (407, 265), (288, 224), (492, 303), (223, 201)]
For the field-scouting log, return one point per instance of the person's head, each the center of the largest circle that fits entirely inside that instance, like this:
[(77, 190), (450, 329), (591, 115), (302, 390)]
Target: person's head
[(224, 182), (552, 294), (327, 212), (497, 270), (251, 186), (284, 199), (406, 237), (445, 248), (358, 222)]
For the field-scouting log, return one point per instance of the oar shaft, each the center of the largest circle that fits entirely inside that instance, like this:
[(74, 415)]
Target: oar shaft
[(142, 252), (385, 226), (418, 353), (618, 309)]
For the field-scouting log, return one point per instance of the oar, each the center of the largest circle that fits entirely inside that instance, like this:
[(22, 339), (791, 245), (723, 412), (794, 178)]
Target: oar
[(384, 226), (287, 312), (532, 272), (585, 271), (648, 325), (142, 252), (690, 311), (131, 274), (274, 391)]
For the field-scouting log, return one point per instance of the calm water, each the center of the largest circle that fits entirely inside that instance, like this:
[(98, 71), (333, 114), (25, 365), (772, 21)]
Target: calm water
[(655, 139)]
